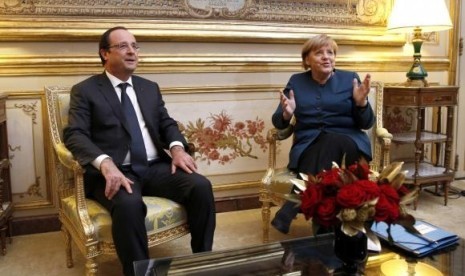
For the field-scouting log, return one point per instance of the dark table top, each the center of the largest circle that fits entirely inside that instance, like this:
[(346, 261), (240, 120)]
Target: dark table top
[(292, 257)]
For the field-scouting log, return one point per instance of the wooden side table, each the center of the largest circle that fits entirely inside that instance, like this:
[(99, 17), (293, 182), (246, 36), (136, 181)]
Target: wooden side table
[(6, 206), (421, 172)]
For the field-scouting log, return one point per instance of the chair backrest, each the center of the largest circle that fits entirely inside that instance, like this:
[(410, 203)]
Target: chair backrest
[(58, 106), (375, 97), (57, 99)]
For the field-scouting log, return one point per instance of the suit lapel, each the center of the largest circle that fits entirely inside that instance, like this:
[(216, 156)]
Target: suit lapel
[(144, 99), (108, 91)]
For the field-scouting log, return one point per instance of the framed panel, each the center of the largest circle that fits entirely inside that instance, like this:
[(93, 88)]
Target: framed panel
[(276, 21), (31, 188), (228, 125)]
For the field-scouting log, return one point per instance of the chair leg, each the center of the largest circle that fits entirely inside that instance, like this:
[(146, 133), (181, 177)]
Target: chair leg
[(3, 239), (445, 187), (68, 249), (91, 267), (266, 221), (10, 229)]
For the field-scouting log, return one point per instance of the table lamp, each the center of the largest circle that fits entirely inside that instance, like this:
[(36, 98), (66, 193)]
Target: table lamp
[(418, 16)]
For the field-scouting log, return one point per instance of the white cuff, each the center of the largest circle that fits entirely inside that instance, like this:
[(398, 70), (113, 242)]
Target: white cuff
[(176, 143), (98, 161)]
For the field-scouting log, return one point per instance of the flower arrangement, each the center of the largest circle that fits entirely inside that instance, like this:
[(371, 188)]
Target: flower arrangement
[(352, 196)]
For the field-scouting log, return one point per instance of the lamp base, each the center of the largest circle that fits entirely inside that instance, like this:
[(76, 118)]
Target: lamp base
[(417, 74), (416, 83)]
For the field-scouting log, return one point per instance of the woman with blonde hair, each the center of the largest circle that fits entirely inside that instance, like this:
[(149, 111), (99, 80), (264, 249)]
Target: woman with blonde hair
[(331, 109)]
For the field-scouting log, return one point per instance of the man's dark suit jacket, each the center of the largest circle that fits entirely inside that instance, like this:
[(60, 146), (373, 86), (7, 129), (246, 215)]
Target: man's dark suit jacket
[(97, 125)]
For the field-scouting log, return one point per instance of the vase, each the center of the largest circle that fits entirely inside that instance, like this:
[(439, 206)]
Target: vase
[(351, 250)]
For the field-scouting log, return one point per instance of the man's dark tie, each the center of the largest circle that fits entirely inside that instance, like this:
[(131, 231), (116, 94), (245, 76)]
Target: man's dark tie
[(137, 147)]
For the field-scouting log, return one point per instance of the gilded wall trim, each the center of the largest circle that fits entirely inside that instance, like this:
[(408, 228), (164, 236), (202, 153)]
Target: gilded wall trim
[(40, 65), (258, 88), (455, 40), (322, 12), (195, 31), (278, 21), (237, 186)]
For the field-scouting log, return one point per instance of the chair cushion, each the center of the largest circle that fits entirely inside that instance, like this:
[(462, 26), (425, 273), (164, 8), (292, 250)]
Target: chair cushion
[(280, 182), (162, 214)]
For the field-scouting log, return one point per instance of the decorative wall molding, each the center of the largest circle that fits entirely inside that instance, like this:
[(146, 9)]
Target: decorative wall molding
[(319, 12), (55, 29), (43, 65), (353, 22)]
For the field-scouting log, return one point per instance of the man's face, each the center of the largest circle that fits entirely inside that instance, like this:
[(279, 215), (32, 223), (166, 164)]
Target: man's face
[(122, 57)]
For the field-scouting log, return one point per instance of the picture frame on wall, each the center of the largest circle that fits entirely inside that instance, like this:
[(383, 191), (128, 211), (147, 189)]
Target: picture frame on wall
[(357, 22)]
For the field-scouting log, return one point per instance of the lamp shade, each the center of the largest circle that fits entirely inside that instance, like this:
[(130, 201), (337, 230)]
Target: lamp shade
[(428, 15)]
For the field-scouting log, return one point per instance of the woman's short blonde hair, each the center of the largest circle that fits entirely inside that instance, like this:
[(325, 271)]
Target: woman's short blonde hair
[(315, 43)]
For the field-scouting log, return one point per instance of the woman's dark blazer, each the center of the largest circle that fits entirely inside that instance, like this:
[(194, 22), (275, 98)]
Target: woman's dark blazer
[(330, 108)]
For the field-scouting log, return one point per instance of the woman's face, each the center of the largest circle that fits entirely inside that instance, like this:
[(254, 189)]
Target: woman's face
[(322, 60)]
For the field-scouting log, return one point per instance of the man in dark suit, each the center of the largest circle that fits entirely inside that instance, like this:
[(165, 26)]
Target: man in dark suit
[(123, 153)]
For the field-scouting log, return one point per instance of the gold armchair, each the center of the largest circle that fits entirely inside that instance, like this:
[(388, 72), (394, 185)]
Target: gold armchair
[(276, 181), (84, 221)]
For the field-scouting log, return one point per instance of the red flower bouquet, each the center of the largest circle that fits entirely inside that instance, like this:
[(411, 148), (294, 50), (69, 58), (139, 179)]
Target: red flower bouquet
[(352, 196)]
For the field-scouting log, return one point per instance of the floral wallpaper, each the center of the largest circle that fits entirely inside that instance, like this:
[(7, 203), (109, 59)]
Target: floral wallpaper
[(219, 139)]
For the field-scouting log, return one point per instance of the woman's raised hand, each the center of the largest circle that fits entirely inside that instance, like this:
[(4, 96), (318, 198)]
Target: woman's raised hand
[(361, 91), (288, 105)]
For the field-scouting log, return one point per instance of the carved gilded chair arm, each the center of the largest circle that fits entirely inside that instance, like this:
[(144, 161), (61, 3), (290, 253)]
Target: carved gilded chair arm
[(67, 159), (274, 135), (385, 138), (65, 156), (383, 133), (282, 134), (267, 177)]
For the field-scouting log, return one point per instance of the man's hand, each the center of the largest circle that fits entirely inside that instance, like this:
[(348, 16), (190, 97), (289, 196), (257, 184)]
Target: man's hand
[(288, 105), (361, 91), (114, 178), (181, 159)]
